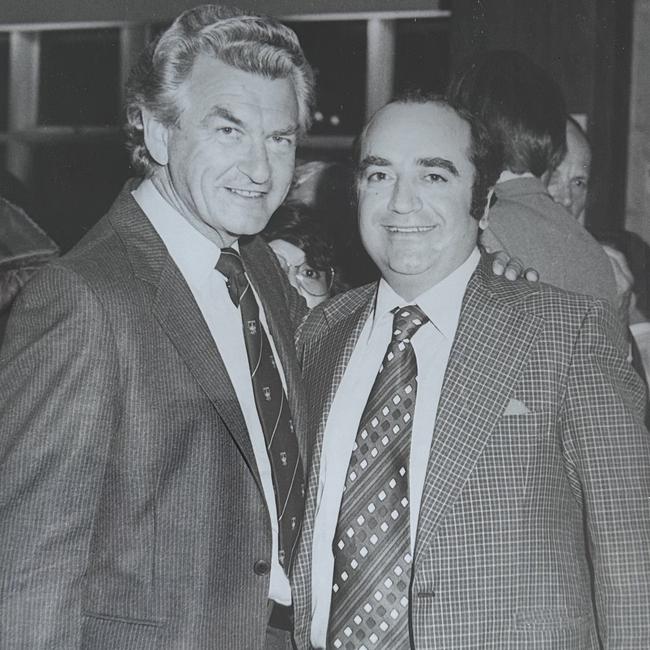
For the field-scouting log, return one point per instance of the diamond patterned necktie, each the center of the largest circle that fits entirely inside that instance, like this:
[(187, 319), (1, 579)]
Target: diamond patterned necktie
[(272, 408), (372, 553)]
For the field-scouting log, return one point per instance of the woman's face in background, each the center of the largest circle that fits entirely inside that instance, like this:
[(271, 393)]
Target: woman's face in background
[(313, 285)]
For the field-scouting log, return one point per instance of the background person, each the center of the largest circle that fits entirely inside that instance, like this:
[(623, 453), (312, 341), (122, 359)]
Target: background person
[(568, 182), (302, 245), (568, 185), (525, 114), (326, 187)]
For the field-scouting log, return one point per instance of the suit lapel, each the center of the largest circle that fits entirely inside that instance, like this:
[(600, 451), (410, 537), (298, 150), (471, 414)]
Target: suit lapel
[(182, 321), (173, 305), (487, 357), (325, 365), (335, 352)]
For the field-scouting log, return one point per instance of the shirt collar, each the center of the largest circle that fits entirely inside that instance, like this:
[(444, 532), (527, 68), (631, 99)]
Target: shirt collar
[(194, 254), (441, 303)]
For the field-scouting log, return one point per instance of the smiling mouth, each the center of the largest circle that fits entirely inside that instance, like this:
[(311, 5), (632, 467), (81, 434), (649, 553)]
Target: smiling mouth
[(247, 194), (409, 229)]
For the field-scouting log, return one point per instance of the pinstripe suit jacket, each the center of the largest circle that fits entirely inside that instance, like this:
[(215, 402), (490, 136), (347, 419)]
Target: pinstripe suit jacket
[(131, 508), (539, 437)]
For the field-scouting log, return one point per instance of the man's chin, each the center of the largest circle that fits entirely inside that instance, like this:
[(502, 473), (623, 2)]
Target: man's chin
[(248, 224)]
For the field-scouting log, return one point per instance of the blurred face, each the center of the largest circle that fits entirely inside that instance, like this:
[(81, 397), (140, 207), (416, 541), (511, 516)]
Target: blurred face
[(568, 183), (228, 164), (415, 193), (311, 284)]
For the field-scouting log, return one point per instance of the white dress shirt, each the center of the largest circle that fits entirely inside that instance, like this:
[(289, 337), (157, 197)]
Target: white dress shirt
[(432, 344), (196, 256)]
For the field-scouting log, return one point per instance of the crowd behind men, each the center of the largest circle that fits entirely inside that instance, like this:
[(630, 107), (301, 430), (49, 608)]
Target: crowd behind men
[(466, 453)]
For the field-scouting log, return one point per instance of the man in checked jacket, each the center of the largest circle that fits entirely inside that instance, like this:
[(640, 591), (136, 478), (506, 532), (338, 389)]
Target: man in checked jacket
[(481, 476)]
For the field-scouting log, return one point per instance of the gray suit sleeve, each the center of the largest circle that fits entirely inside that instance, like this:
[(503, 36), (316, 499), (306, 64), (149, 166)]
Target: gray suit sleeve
[(608, 452), (59, 381)]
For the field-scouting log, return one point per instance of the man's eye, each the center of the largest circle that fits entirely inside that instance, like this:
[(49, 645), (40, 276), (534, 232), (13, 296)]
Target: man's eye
[(579, 182), (228, 131), (435, 178), (282, 140), (377, 176)]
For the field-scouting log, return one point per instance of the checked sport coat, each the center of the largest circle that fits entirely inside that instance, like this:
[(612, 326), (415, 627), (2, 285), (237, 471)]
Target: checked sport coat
[(538, 483), (132, 515)]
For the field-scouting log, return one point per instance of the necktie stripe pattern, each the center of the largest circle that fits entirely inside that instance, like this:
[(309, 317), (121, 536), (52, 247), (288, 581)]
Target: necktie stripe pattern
[(371, 547), (272, 408)]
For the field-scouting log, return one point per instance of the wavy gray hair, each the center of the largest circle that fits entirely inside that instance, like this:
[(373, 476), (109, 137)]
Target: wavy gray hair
[(256, 44)]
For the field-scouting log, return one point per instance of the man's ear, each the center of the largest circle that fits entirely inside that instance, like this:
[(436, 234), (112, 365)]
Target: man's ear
[(156, 135), (483, 223)]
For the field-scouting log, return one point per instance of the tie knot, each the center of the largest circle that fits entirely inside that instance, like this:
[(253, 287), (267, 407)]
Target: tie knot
[(406, 322), (229, 263)]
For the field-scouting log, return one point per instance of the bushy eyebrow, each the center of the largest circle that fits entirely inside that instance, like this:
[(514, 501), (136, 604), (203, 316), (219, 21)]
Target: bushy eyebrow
[(220, 111), (439, 162), (289, 130), (373, 161), (378, 161), (224, 113)]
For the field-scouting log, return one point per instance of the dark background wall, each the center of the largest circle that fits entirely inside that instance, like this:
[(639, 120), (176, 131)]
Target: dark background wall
[(584, 44), (25, 11)]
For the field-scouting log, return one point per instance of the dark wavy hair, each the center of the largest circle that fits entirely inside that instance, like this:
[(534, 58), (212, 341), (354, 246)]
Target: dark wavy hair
[(484, 153), (304, 227), (256, 44), (521, 105)]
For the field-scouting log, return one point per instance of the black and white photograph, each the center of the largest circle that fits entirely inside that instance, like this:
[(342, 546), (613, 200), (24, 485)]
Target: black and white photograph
[(325, 325)]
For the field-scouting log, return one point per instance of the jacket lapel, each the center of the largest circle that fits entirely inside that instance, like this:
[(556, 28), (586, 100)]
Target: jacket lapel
[(335, 351), (173, 305), (487, 357)]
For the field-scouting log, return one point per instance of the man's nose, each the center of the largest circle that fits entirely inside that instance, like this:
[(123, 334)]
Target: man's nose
[(255, 164), (404, 198)]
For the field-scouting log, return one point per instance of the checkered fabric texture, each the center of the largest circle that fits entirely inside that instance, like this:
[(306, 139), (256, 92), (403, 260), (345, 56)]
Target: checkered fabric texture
[(272, 408), (372, 555), (524, 516)]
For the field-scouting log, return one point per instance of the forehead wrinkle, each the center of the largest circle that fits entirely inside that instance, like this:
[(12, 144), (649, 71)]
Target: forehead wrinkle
[(221, 111)]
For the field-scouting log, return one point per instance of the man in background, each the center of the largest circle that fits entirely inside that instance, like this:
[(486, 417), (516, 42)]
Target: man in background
[(568, 185), (481, 473), (568, 182), (153, 435), (524, 111)]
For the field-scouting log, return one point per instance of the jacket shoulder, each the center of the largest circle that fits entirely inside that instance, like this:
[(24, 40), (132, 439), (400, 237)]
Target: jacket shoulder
[(559, 308), (326, 315)]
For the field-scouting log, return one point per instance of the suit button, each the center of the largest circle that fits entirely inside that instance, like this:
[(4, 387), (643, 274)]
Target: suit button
[(262, 567)]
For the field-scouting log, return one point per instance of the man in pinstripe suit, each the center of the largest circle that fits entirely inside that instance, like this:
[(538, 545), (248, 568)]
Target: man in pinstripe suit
[(137, 497), (519, 516)]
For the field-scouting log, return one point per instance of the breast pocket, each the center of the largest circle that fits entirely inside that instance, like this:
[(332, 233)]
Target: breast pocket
[(515, 445)]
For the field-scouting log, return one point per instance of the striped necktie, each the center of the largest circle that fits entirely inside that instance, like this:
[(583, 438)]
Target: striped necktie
[(372, 553)]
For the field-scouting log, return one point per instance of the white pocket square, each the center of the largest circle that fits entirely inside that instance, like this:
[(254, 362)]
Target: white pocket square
[(515, 407)]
